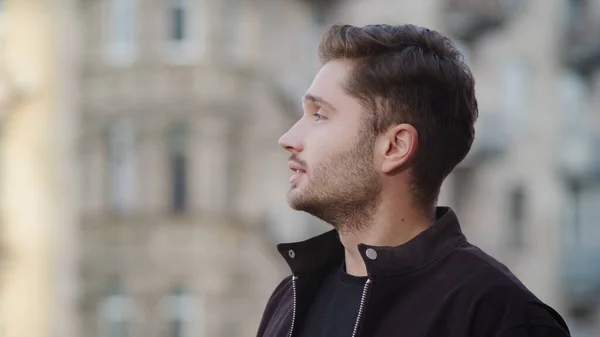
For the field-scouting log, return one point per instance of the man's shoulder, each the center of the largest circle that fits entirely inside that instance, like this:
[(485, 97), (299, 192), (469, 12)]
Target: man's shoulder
[(490, 282), (477, 271), (500, 300), (511, 311), (282, 292), (279, 303)]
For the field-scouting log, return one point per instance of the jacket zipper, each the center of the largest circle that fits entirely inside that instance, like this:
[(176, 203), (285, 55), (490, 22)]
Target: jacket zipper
[(294, 278), (361, 309)]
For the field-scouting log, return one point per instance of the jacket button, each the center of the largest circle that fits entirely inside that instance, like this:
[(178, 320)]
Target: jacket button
[(291, 253), (371, 253)]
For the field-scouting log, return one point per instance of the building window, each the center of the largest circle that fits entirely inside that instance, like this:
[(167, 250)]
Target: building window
[(516, 211), (583, 17), (178, 157), (183, 315), (179, 309), (177, 19), (585, 230), (180, 30), (516, 85), (575, 152), (122, 32), (121, 159), (574, 93), (116, 313)]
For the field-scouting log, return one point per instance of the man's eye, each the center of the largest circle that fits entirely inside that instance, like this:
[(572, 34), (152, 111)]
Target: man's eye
[(317, 115)]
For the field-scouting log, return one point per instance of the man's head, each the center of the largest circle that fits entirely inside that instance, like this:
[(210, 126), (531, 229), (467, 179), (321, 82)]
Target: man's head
[(391, 112)]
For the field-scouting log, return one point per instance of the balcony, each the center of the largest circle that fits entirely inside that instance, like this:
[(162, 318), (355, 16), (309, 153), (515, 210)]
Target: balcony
[(467, 20), (491, 133), (582, 38)]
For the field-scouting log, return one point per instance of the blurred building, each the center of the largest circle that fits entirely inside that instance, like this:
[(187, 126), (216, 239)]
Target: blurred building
[(182, 180)]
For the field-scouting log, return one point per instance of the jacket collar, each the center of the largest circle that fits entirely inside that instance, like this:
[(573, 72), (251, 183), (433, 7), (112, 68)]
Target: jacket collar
[(326, 250)]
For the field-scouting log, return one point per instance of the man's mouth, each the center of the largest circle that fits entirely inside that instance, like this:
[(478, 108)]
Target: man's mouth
[(294, 178), (298, 170)]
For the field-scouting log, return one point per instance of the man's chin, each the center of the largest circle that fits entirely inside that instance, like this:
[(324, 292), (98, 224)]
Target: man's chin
[(295, 204), (296, 200)]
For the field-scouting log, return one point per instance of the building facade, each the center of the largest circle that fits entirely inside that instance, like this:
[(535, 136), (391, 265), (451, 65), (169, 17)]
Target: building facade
[(185, 101), (183, 181)]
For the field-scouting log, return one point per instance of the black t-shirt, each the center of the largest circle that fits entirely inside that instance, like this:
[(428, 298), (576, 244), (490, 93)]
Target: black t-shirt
[(334, 310)]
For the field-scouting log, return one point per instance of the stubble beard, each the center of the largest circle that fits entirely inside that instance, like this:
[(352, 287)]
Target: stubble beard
[(344, 190)]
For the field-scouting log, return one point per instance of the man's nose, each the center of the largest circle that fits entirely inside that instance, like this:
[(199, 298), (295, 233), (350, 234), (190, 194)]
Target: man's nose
[(290, 141)]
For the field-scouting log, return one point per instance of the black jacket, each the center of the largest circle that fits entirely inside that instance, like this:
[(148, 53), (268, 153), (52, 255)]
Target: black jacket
[(435, 285)]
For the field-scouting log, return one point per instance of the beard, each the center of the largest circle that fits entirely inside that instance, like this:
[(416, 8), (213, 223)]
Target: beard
[(344, 189)]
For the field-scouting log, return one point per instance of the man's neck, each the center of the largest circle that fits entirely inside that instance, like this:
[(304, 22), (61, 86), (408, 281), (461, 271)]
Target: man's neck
[(387, 229)]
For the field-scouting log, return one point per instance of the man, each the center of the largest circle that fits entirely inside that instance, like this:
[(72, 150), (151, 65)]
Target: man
[(386, 119)]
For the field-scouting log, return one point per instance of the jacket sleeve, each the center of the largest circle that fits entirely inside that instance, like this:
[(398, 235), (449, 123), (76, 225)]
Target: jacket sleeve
[(509, 312), (273, 305)]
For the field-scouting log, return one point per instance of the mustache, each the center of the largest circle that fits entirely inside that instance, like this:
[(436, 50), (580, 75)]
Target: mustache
[(295, 158)]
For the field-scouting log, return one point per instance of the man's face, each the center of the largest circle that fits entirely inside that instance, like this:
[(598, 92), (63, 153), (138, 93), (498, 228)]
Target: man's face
[(331, 154)]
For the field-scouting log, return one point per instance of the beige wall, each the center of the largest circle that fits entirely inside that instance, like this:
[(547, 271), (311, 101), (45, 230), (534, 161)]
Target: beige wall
[(39, 247)]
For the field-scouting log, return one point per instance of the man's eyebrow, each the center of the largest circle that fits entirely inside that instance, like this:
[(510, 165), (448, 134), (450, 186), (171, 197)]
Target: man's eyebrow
[(318, 100)]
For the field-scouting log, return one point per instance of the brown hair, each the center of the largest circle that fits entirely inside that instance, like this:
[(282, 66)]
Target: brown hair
[(414, 75)]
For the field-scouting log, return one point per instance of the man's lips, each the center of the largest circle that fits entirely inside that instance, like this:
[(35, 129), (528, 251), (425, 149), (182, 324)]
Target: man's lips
[(296, 167), (298, 171)]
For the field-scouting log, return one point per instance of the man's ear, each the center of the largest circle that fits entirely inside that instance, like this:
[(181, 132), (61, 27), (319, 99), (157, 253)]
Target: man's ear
[(400, 146)]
